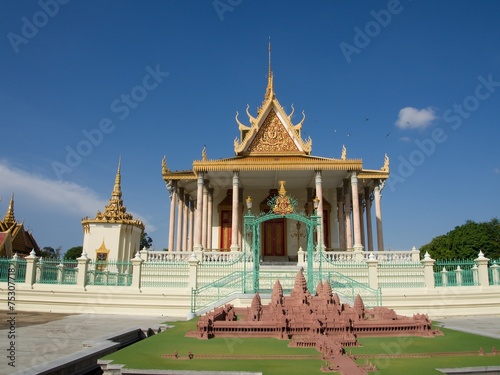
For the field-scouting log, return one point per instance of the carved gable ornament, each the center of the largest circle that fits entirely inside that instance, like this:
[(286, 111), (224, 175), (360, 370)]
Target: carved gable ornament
[(273, 137)]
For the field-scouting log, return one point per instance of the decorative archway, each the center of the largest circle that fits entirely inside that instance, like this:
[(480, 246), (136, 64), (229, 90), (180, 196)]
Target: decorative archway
[(281, 206)]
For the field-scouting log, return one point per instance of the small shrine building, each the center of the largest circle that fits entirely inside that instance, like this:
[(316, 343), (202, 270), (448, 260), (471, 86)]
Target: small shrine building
[(113, 234), (208, 202)]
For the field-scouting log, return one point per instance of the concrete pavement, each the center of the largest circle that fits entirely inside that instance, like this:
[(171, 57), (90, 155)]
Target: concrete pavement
[(46, 337)]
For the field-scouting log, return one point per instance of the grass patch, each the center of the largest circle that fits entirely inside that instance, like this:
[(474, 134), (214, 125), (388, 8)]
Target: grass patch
[(147, 354)]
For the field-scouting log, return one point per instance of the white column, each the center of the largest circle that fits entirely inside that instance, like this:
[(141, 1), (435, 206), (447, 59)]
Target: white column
[(185, 214), (319, 194), (361, 219), (355, 212), (199, 208), (235, 218), (210, 217), (173, 203), (347, 213), (180, 200), (191, 226), (379, 185), (341, 218), (369, 219), (204, 216)]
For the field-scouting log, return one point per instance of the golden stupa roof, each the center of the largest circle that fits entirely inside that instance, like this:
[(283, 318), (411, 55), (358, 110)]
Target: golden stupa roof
[(115, 211)]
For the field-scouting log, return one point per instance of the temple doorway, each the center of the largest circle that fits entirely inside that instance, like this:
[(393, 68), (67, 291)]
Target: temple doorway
[(274, 243)]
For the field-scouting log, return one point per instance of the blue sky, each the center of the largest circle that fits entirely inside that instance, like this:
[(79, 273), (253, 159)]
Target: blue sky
[(147, 79)]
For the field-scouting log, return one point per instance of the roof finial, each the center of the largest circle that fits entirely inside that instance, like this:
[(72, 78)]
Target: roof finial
[(9, 215), (270, 89), (117, 191), (269, 51)]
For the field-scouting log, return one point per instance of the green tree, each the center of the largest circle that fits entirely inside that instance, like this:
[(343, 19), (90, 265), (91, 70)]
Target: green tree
[(50, 252), (465, 241), (146, 241), (74, 252)]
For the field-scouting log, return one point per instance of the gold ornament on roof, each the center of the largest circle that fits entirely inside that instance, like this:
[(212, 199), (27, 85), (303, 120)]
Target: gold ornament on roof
[(385, 168), (204, 153), (164, 168), (344, 153)]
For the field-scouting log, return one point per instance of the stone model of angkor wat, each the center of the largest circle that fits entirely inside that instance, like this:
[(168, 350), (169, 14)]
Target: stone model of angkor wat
[(320, 321)]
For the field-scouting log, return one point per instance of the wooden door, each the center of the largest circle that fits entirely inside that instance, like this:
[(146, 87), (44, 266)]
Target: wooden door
[(274, 237), (225, 230)]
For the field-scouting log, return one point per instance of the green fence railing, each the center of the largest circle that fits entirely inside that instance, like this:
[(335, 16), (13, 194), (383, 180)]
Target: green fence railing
[(57, 271), (458, 272), (235, 282), (13, 269), (114, 273), (494, 273)]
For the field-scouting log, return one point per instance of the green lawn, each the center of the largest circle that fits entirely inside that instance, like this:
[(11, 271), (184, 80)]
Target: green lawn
[(147, 354)]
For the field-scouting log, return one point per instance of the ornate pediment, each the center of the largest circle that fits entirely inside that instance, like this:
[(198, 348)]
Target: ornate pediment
[(271, 132), (273, 137)]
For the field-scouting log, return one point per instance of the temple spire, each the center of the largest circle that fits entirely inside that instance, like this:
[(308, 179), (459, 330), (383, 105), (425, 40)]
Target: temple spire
[(270, 88), (117, 191), (9, 215)]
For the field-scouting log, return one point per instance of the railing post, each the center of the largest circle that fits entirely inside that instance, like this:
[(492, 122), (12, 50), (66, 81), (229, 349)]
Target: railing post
[(60, 273), (144, 254), (482, 265), (39, 269), (372, 271), (301, 257), (83, 266), (136, 271), (428, 264), (30, 276), (494, 273), (415, 254), (193, 272), (13, 267), (458, 272), (444, 277)]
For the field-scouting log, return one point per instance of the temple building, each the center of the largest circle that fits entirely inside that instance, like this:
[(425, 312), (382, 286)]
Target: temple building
[(209, 202), (113, 234), (14, 239)]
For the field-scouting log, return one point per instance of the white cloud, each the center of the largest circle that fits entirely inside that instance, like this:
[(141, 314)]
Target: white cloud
[(413, 118), (53, 209), (58, 195), (53, 195)]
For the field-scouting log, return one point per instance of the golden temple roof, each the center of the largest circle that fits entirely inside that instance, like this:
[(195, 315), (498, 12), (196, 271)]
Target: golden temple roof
[(9, 218), (272, 131), (115, 211)]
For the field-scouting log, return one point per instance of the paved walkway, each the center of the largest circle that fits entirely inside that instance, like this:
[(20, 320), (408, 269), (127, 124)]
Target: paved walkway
[(488, 325), (43, 337)]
